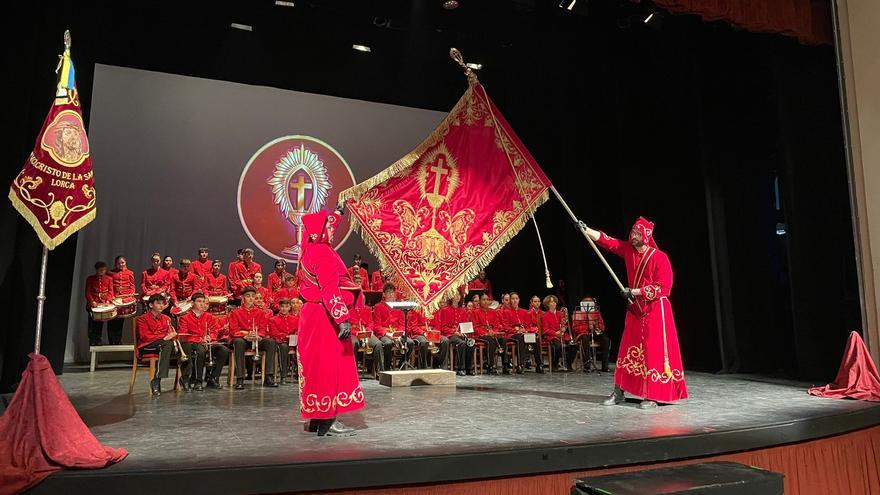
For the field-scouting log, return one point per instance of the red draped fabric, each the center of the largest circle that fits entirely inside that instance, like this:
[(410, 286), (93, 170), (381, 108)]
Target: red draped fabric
[(807, 20), (42, 433), (857, 377)]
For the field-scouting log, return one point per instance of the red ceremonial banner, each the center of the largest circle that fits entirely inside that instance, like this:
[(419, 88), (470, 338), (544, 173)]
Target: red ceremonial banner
[(55, 190), (439, 215)]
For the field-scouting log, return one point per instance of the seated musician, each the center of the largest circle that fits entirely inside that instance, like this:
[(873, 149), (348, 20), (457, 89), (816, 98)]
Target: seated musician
[(249, 324), (447, 320), (276, 278), (362, 321), (266, 297), (241, 273), (168, 265), (386, 321), (505, 302), (123, 287), (377, 282), (201, 267), (554, 331), (155, 335), (419, 326), (481, 283), (99, 290), (588, 326), (198, 330), (155, 280), (281, 327), (519, 322), (183, 283), (357, 268), (290, 291), (489, 329), (215, 282)]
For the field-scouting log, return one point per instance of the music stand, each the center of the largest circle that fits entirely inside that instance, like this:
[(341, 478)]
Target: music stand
[(406, 307), (587, 309)]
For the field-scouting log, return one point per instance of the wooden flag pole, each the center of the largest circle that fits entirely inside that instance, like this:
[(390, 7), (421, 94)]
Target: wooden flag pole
[(579, 225)]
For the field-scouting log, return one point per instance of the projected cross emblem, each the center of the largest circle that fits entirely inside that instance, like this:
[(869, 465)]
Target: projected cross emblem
[(301, 186)]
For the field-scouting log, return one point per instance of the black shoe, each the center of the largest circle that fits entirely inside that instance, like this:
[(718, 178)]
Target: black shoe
[(239, 384), (539, 369), (213, 384), (615, 398), (647, 404), (505, 371), (471, 372), (156, 387), (270, 381), (283, 381), (519, 370), (605, 369), (460, 373), (183, 384), (491, 370), (313, 425), (197, 386), (334, 428)]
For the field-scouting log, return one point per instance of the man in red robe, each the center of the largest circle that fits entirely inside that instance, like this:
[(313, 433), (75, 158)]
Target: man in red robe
[(649, 361), (329, 383)]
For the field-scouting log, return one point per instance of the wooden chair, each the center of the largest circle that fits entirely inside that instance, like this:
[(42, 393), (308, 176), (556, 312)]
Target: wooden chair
[(511, 348), (480, 349), (250, 353), (151, 358)]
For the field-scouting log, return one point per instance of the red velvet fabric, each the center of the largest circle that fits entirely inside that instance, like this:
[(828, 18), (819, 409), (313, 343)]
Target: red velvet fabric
[(43, 433), (807, 20), (857, 377)]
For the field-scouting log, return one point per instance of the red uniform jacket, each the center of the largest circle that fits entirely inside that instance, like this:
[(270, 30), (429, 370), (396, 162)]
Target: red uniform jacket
[(551, 323), (123, 282), (582, 327), (99, 289), (201, 270), (241, 276), (276, 282), (417, 322), (243, 320), (362, 319), (448, 318), (386, 319), (197, 326), (150, 328), (514, 317), (377, 282), (478, 284), (286, 293), (215, 285), (223, 327), (365, 277), (486, 320), (156, 281), (182, 288), (282, 326)]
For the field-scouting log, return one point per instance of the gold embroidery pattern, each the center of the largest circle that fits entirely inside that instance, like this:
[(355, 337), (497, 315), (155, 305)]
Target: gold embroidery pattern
[(56, 210), (633, 362), (311, 403), (650, 292)]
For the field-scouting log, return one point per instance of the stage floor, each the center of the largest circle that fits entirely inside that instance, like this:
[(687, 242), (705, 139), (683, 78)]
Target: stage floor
[(505, 415)]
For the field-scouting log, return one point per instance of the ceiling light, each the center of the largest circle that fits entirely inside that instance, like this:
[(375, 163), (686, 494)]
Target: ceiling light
[(650, 16), (361, 48), (450, 4), (282, 3), (243, 27)]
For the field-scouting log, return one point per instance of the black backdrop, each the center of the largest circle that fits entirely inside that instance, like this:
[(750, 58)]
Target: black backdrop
[(694, 125)]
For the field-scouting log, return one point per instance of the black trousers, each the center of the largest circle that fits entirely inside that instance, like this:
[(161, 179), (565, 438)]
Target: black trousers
[(96, 328), (410, 347), (164, 349), (522, 351), (285, 357), (425, 357), (381, 351), (464, 355), (114, 330), (570, 353), (492, 345), (239, 345), (198, 356), (604, 347)]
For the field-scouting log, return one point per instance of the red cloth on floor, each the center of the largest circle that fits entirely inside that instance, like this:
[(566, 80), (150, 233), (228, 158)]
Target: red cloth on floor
[(42, 433), (857, 377)]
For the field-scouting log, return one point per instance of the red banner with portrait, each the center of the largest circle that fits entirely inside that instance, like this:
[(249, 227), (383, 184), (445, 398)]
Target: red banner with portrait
[(55, 191), (439, 215)]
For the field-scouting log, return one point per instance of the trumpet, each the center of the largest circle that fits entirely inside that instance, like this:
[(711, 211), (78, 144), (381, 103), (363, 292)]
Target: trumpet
[(365, 342), (433, 349), (255, 341), (179, 348), (210, 363)]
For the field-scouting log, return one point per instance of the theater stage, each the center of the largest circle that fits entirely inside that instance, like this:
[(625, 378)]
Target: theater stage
[(251, 441)]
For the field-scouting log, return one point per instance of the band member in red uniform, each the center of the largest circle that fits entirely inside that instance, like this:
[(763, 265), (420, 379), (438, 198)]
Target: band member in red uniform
[(241, 274), (281, 327), (518, 322), (554, 331), (155, 335), (328, 383), (124, 287), (505, 301), (386, 321), (202, 266), (183, 283), (199, 329), (267, 296), (356, 268), (99, 290), (276, 278), (589, 327), (481, 283), (377, 281), (155, 280), (248, 324), (168, 265), (448, 319), (290, 291), (362, 321), (489, 329), (215, 282), (649, 360)]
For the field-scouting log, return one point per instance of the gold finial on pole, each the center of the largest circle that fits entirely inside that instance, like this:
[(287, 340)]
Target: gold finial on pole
[(456, 56)]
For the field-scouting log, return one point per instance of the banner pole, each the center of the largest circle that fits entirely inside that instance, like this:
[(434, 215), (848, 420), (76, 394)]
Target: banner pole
[(41, 299), (592, 244)]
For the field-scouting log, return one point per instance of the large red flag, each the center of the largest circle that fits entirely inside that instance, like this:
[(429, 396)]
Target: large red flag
[(55, 191), (439, 215)]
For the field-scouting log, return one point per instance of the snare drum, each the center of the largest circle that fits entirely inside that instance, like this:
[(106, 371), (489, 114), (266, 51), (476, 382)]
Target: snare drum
[(126, 306), (181, 308), (104, 312), (217, 304)]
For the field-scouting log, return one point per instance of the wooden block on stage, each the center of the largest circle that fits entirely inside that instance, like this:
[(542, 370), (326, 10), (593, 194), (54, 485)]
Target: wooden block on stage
[(408, 378)]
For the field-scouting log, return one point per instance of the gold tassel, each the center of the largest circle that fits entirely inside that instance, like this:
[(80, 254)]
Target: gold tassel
[(547, 275), (667, 371)]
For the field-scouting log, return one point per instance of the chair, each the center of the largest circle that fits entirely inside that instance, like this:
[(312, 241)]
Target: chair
[(250, 353), (511, 348), (480, 349), (151, 358), (548, 347)]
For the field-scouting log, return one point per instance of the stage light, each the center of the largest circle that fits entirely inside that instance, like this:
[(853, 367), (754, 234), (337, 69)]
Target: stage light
[(474, 66), (580, 7), (648, 19), (567, 4), (450, 4), (361, 48), (243, 27), (282, 3)]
